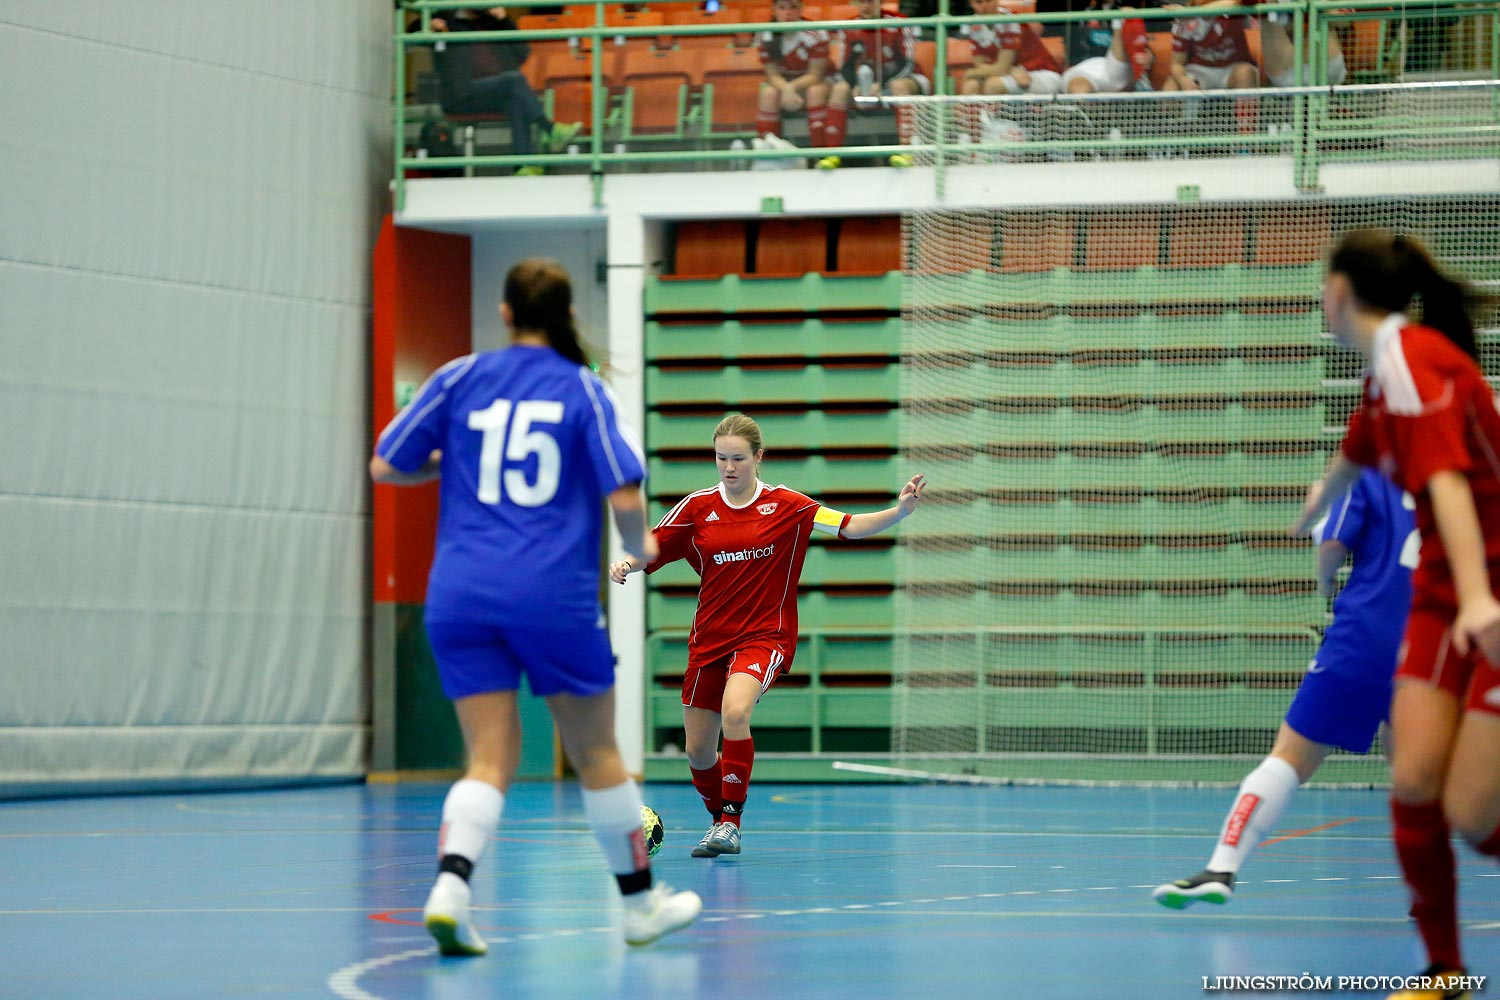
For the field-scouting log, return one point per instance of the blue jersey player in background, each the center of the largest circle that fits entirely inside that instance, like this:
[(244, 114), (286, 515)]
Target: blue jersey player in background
[(1346, 694), (528, 447)]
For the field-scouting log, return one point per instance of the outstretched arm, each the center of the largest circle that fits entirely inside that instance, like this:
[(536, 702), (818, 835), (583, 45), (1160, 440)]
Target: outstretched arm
[(865, 525), (629, 508)]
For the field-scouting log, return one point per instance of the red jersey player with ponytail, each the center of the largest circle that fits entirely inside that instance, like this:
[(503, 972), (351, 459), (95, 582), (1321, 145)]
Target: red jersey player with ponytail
[(1430, 422), (747, 540)]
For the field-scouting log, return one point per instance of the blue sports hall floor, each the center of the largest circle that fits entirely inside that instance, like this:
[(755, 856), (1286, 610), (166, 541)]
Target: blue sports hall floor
[(843, 891)]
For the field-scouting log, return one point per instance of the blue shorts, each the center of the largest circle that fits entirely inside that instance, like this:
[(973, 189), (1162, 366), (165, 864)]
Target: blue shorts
[(477, 657), (1338, 708)]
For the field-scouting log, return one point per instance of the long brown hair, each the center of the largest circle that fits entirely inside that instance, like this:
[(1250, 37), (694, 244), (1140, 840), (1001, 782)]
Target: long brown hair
[(1388, 270), (741, 426), (540, 297)]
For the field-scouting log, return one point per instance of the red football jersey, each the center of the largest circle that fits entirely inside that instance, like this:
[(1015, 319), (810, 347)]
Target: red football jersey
[(888, 51), (1023, 40), (749, 558), (984, 41), (1212, 41), (1426, 409), (793, 50)]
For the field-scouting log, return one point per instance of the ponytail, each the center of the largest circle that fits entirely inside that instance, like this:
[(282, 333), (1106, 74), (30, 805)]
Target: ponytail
[(541, 300), (1387, 271)]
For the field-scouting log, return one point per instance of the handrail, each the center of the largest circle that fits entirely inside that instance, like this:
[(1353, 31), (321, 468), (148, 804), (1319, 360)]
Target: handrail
[(1309, 37)]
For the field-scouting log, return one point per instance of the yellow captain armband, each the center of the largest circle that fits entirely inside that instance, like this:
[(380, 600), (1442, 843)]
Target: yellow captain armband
[(830, 521)]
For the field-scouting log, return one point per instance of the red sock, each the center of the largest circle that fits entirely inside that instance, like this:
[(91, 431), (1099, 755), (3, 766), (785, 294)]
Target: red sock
[(736, 761), (1426, 856), (968, 118), (767, 123), (1491, 846), (1247, 114), (709, 784), (817, 126), (1137, 46), (837, 125), (905, 124)]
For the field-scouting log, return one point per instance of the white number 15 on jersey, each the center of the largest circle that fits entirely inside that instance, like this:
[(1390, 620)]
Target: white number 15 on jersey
[(522, 442)]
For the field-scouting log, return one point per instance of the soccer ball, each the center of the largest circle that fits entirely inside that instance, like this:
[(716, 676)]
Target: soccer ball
[(652, 829)]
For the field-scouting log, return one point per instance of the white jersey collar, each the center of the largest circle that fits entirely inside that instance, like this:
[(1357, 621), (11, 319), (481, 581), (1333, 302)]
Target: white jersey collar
[(1386, 335), (760, 488)]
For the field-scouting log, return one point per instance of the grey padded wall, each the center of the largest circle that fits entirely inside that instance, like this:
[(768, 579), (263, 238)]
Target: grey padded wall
[(189, 193)]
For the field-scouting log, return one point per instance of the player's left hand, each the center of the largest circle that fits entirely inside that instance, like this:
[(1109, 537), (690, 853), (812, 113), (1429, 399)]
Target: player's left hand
[(1478, 623), (911, 494)]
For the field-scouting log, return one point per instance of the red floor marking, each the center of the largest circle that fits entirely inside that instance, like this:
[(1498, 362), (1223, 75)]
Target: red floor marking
[(1302, 833), (388, 917)]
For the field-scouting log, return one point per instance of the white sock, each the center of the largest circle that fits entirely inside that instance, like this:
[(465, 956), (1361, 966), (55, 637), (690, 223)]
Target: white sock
[(471, 812), (614, 814), (1263, 797)]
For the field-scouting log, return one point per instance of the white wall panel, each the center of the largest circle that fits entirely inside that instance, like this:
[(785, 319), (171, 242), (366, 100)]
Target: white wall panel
[(190, 197)]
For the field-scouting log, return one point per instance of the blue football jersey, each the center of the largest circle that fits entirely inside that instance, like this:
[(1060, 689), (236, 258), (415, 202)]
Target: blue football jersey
[(1376, 523), (531, 444)]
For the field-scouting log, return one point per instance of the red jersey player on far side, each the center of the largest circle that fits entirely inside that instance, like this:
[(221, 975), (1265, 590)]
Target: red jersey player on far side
[(748, 541)]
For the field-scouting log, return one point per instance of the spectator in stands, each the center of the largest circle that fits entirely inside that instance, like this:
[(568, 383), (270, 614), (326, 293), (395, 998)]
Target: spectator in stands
[(1278, 54), (1107, 55), (1009, 58), (1211, 53), (876, 60), (797, 70), (486, 78)]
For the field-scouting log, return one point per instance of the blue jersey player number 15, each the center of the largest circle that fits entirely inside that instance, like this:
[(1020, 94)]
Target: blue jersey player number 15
[(527, 437)]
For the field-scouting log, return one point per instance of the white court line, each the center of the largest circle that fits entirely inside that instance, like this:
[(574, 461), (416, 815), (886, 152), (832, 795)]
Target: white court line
[(345, 982)]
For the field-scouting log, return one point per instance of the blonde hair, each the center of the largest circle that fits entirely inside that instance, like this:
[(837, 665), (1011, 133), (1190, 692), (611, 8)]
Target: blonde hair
[(741, 426)]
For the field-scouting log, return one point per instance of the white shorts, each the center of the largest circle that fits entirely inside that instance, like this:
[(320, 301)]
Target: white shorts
[(1337, 73), (1210, 77), (1108, 74), (1043, 81)]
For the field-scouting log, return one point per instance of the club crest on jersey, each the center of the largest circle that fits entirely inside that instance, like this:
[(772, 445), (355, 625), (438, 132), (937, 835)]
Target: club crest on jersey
[(767, 508)]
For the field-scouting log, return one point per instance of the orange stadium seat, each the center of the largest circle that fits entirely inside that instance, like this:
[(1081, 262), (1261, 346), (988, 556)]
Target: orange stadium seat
[(575, 17), (1121, 242), (869, 244), (791, 247), (656, 83), (1207, 237), (1036, 242), (695, 16), (735, 76), (955, 243), (960, 56), (1285, 237), (709, 249), (619, 18), (568, 78)]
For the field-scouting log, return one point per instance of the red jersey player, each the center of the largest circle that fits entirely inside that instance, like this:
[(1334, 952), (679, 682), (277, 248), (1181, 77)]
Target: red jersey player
[(1211, 53), (1430, 422), (1009, 58), (747, 541), (797, 71), (876, 60)]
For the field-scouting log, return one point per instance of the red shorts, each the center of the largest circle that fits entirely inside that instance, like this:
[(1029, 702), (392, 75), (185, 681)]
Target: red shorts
[(1428, 656), (703, 687)]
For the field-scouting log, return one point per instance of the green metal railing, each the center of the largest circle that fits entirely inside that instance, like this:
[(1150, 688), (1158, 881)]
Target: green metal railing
[(1324, 123)]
